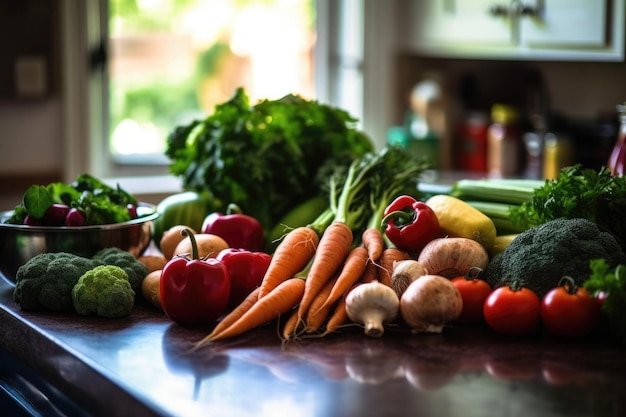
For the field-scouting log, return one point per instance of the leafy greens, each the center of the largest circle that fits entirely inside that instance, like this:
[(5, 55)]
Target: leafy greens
[(266, 157), (597, 196), (101, 203)]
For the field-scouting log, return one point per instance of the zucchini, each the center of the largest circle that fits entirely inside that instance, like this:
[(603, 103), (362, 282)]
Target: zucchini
[(499, 214), (505, 190)]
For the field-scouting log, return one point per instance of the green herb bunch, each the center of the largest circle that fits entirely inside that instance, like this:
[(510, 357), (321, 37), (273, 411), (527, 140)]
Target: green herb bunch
[(264, 157), (577, 192)]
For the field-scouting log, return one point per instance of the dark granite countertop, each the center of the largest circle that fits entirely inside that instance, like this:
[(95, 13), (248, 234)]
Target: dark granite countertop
[(141, 366)]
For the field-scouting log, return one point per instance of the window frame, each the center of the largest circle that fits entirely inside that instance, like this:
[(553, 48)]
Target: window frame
[(85, 82)]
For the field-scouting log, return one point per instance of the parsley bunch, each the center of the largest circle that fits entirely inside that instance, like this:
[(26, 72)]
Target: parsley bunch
[(578, 192), (264, 157)]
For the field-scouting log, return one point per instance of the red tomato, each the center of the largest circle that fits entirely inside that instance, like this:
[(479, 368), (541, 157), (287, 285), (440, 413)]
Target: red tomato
[(512, 311), (474, 292), (569, 311)]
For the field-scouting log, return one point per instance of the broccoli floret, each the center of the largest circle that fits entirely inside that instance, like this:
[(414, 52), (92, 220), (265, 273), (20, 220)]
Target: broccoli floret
[(539, 257), (104, 291), (134, 268), (47, 279)]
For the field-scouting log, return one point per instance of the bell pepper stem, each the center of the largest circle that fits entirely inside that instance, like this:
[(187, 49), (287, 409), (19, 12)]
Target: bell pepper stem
[(400, 218), (194, 245), (233, 208)]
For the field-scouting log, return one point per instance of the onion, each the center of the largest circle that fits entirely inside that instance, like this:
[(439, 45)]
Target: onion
[(404, 273), (372, 304), (429, 303), (452, 257)]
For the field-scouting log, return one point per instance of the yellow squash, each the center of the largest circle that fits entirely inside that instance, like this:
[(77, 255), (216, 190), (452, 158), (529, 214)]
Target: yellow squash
[(459, 219), (500, 244)]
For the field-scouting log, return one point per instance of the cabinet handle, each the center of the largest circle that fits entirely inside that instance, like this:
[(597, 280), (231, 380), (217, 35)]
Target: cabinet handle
[(515, 9)]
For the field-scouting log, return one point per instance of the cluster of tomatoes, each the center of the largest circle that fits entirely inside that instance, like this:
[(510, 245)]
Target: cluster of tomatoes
[(567, 310)]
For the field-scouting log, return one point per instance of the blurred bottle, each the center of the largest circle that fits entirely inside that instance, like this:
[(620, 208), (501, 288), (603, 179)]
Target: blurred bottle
[(472, 146), (504, 142), (558, 153), (617, 159), (425, 120)]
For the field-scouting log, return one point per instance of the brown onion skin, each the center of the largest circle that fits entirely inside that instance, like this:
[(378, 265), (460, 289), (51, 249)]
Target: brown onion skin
[(453, 256), (429, 303)]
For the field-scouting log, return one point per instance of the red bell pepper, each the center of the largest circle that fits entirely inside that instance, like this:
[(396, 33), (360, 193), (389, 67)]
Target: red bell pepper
[(410, 224), (239, 230), (194, 291), (246, 270)]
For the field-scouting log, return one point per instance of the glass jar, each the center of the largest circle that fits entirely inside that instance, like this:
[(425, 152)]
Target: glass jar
[(617, 159), (504, 142)]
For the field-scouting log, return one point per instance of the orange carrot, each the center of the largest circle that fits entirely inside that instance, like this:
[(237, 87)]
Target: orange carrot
[(290, 328), (333, 247), (373, 241), (282, 299), (371, 272), (237, 312), (351, 272), (337, 318), (390, 255), (318, 311), (289, 258)]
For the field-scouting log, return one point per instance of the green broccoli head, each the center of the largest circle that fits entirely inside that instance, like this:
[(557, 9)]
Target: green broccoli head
[(47, 279), (539, 257), (136, 270), (104, 291)]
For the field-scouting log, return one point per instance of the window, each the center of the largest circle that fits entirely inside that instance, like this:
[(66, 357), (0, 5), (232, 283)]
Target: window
[(172, 61), (344, 66)]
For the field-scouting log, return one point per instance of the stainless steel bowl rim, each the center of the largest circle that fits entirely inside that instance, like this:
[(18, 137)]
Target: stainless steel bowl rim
[(142, 207)]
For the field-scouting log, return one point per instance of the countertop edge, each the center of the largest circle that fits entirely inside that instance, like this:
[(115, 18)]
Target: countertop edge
[(79, 378)]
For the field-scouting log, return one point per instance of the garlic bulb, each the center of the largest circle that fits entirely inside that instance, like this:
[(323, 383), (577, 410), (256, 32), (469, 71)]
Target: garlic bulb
[(404, 273), (372, 304), (429, 303)]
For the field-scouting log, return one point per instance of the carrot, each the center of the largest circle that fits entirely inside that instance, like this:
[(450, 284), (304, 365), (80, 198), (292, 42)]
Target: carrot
[(237, 312), (352, 270), (290, 328), (371, 272), (390, 255), (337, 318), (374, 243), (318, 311), (282, 299), (333, 247), (289, 258)]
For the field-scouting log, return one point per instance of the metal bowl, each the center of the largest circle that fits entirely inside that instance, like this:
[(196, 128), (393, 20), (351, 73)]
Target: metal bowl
[(19, 243)]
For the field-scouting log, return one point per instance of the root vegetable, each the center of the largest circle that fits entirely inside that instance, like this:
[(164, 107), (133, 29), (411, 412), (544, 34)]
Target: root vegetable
[(453, 256), (153, 262), (151, 288), (404, 273), (171, 238), (429, 303), (209, 245), (372, 304)]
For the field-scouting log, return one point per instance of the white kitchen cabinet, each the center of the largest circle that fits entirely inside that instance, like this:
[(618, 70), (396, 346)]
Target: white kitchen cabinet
[(510, 29)]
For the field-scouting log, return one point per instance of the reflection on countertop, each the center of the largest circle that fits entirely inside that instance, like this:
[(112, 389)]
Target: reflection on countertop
[(143, 365)]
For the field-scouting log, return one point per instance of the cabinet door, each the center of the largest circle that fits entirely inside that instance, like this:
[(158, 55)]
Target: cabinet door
[(566, 23), (458, 22)]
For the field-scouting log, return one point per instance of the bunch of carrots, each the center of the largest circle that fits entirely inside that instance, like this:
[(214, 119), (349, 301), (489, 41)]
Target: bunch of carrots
[(314, 267)]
